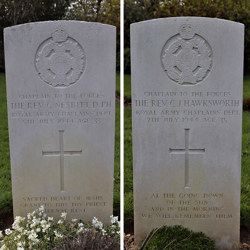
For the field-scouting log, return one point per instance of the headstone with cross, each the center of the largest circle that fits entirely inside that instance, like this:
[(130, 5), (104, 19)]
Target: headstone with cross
[(61, 108), (187, 76)]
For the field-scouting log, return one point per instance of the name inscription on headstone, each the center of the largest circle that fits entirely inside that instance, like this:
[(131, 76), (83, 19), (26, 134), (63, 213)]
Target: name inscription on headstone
[(67, 108), (187, 106)]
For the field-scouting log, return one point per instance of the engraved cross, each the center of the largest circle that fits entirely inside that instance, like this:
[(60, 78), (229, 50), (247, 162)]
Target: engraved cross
[(61, 153), (186, 151)]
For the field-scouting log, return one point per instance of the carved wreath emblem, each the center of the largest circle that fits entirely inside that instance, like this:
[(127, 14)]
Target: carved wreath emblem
[(187, 57), (60, 60)]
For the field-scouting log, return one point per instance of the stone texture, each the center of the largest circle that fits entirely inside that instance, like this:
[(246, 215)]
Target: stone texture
[(61, 110), (187, 76)]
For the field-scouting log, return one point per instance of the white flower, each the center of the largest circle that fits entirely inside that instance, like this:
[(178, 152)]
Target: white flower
[(16, 225), (3, 247), (63, 215), (74, 220), (80, 224), (38, 230), (103, 232), (50, 218), (18, 219), (58, 235), (114, 219), (98, 225), (8, 231), (60, 222), (33, 236), (81, 229), (19, 244), (29, 216), (35, 222), (17, 237), (94, 221), (41, 209), (20, 248)]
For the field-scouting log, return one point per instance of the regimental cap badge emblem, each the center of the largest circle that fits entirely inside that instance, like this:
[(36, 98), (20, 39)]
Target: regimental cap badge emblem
[(60, 60), (187, 57)]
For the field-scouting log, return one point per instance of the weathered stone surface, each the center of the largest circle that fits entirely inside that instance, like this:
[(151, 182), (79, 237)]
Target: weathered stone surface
[(61, 108), (187, 76)]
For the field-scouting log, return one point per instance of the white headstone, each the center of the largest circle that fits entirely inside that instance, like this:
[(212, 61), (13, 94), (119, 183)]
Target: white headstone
[(61, 109), (187, 78)]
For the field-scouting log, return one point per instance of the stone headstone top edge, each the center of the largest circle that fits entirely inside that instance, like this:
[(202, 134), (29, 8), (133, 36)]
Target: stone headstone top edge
[(59, 21), (158, 20)]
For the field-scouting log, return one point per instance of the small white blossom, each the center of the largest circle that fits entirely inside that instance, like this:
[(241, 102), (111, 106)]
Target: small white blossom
[(20, 244), (17, 237), (60, 222), (50, 218), (58, 235), (3, 247), (20, 248), (74, 220), (33, 236), (96, 223), (114, 219), (81, 229), (41, 209), (80, 224), (8, 231), (63, 215), (29, 216)]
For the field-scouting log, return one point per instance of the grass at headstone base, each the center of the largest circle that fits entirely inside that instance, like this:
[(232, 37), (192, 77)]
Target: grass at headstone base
[(5, 173), (128, 160)]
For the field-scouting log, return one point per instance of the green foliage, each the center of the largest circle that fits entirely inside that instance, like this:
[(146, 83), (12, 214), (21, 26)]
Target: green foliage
[(14, 12), (234, 10), (18, 11), (128, 156), (245, 161), (107, 11), (246, 87), (116, 198), (126, 60), (127, 86), (245, 171), (177, 237), (129, 207), (102, 11), (5, 175)]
